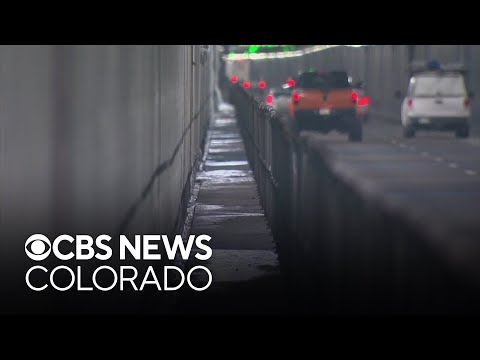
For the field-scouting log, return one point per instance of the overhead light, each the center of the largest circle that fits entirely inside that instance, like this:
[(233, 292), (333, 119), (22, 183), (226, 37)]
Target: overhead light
[(281, 54)]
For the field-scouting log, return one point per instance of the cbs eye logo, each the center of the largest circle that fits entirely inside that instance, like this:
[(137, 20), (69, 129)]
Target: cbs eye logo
[(38, 247)]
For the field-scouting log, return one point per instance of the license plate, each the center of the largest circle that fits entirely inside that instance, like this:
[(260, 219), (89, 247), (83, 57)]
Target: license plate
[(324, 111), (424, 121)]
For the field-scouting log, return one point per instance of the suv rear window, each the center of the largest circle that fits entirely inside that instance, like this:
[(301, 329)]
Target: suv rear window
[(334, 79), (438, 85)]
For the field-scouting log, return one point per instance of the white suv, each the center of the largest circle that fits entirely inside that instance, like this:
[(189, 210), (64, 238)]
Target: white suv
[(278, 98), (436, 100)]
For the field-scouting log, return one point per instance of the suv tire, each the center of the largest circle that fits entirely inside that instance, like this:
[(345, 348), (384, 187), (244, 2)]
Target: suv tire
[(462, 131), (408, 132)]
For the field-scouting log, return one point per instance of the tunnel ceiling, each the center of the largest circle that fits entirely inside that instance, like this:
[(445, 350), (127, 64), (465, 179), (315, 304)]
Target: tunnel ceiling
[(249, 49)]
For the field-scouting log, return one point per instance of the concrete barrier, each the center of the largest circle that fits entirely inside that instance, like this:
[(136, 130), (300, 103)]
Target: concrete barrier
[(341, 245)]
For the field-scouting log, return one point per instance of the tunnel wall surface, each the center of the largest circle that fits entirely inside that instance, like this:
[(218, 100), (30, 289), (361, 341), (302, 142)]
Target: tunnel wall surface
[(98, 139), (382, 67)]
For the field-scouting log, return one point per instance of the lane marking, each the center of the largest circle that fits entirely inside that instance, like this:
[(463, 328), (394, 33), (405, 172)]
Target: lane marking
[(402, 145), (453, 165), (438, 159), (470, 172), (425, 154)]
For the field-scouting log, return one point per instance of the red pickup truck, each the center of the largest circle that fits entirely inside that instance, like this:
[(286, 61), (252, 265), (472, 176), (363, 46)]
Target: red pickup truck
[(325, 102)]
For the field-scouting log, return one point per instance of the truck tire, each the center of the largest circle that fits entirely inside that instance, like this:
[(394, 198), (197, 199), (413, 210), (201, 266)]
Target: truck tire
[(355, 133), (294, 125), (298, 122)]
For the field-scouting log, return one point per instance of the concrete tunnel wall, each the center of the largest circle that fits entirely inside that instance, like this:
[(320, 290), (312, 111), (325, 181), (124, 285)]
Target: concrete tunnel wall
[(382, 67), (83, 129)]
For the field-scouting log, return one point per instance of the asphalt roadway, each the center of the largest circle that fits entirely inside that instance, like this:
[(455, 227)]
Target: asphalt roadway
[(433, 179)]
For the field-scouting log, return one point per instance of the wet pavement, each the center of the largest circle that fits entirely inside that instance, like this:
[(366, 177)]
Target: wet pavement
[(244, 264)]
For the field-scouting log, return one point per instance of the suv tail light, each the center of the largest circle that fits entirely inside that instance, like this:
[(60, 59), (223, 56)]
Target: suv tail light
[(354, 95), (409, 102), (262, 84), (269, 99), (466, 102), (246, 84), (295, 97)]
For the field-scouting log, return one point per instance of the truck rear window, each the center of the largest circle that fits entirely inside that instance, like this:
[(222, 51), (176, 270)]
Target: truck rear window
[(335, 80), (338, 79)]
